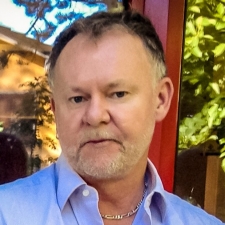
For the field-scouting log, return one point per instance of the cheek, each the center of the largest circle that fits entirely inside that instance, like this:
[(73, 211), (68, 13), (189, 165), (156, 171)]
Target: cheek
[(135, 121), (67, 122)]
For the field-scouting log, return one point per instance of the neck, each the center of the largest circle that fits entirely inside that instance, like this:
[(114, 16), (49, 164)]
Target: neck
[(120, 207), (120, 196)]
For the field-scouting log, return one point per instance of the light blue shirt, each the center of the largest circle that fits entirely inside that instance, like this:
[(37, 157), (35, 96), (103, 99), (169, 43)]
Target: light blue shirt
[(58, 196)]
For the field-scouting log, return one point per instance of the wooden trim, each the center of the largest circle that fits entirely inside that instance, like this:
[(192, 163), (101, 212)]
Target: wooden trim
[(211, 184)]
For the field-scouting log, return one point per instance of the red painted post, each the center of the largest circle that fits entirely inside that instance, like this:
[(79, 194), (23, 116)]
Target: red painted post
[(168, 18)]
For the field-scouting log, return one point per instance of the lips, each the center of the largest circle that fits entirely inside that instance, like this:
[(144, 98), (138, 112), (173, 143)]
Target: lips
[(99, 141), (95, 141)]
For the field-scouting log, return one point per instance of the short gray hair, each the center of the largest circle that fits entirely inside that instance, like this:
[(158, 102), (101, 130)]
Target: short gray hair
[(99, 23)]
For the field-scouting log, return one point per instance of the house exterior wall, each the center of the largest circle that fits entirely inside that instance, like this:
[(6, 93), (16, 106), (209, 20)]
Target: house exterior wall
[(20, 69)]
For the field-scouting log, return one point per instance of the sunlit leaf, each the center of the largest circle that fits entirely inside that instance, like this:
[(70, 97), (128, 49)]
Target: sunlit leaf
[(220, 25), (208, 22), (188, 122), (207, 36), (193, 138), (191, 28), (217, 121), (219, 49), (194, 81), (182, 129), (189, 132), (220, 9), (216, 67), (198, 21), (222, 141), (195, 41), (213, 137), (197, 52), (215, 87), (195, 9), (210, 122), (222, 155), (205, 111), (204, 129), (198, 90), (187, 55), (213, 110), (222, 113), (223, 165), (188, 40), (212, 21)]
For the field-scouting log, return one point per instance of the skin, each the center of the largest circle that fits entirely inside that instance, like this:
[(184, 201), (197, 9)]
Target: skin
[(106, 103)]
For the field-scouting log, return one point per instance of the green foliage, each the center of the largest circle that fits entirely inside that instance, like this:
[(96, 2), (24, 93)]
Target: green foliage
[(37, 103), (202, 114)]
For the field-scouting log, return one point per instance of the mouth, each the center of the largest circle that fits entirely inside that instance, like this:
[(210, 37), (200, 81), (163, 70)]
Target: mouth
[(95, 141), (99, 142)]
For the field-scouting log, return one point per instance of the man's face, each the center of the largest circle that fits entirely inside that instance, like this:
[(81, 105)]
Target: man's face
[(105, 101)]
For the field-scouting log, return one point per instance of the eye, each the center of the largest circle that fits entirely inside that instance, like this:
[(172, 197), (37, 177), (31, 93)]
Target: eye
[(77, 99), (120, 94)]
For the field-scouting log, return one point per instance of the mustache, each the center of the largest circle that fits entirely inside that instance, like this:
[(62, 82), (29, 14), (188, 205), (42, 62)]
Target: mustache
[(94, 135)]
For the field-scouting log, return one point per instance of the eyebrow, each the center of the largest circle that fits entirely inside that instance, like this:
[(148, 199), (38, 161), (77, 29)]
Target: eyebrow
[(77, 89), (116, 83), (122, 83), (111, 85)]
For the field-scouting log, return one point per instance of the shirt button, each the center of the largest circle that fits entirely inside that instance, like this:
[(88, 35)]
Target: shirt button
[(85, 193)]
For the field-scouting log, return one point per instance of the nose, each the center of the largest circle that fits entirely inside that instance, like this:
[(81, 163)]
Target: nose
[(96, 112)]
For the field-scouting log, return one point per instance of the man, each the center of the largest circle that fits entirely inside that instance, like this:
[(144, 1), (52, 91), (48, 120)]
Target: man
[(107, 75)]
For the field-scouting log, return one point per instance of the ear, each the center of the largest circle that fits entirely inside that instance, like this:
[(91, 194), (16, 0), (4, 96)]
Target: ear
[(165, 92)]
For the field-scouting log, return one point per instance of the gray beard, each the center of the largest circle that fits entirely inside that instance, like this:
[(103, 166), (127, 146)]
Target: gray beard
[(109, 168)]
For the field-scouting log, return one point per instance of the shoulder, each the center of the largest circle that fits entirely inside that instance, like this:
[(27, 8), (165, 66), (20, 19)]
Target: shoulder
[(31, 200), (188, 213), (27, 186)]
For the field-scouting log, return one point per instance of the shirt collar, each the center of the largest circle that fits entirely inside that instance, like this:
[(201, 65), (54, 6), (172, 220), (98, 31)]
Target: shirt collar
[(67, 181), (155, 189)]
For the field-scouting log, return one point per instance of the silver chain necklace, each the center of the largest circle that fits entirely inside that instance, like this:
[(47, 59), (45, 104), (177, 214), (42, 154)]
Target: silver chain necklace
[(132, 212)]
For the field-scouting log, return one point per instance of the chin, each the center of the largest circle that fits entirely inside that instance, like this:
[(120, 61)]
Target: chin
[(101, 171)]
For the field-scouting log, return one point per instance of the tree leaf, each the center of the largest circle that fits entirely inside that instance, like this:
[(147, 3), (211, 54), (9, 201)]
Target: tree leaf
[(219, 49), (222, 113), (207, 36), (190, 28), (197, 52), (213, 110), (195, 41), (220, 25), (210, 122), (215, 87), (208, 22), (213, 137), (195, 9), (220, 9), (222, 155), (187, 55)]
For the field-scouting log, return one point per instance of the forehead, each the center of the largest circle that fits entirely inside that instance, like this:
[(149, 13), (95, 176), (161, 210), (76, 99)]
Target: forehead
[(114, 50), (116, 36)]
